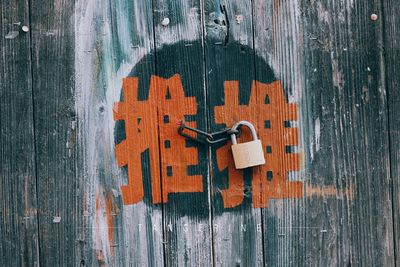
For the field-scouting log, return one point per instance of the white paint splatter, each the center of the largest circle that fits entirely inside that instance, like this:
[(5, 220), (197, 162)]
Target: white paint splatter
[(317, 134), (98, 83), (11, 35)]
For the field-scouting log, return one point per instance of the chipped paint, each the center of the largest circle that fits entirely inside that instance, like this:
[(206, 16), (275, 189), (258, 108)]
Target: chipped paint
[(110, 221), (101, 228)]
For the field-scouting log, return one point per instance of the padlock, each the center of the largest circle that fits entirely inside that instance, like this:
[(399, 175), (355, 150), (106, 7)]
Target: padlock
[(247, 154)]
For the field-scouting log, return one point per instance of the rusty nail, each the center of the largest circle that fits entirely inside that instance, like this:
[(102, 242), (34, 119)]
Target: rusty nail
[(239, 18)]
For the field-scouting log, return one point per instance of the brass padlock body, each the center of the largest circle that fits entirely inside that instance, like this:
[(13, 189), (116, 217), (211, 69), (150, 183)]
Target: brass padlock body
[(247, 154)]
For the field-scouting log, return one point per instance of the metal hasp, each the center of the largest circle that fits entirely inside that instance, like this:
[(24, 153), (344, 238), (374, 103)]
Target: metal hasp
[(247, 154), (207, 138)]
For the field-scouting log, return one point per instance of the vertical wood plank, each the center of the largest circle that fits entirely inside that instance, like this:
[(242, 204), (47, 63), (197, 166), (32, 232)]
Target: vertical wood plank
[(179, 50), (391, 31), (18, 197), (345, 118), (229, 56), (113, 40), (278, 39), (53, 88)]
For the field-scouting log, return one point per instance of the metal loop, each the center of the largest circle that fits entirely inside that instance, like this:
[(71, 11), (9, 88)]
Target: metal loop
[(208, 138), (227, 132), (241, 123), (182, 127)]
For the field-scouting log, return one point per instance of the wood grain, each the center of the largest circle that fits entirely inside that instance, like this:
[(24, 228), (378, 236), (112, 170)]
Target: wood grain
[(345, 114), (19, 244), (112, 39), (63, 201), (278, 39), (390, 22), (54, 111), (186, 216), (237, 233)]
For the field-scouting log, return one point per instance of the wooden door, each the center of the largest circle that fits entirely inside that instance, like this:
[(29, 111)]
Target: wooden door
[(94, 172)]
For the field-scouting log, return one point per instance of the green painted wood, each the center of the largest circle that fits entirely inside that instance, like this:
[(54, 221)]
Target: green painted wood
[(390, 22), (19, 244), (179, 50), (345, 118), (237, 233)]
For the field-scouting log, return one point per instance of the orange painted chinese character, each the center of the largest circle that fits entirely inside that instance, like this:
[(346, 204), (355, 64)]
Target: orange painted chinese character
[(151, 124), (268, 111)]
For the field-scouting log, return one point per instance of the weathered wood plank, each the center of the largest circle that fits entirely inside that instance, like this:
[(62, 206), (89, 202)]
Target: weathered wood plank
[(114, 40), (278, 39), (237, 227), (345, 121), (54, 110), (391, 32), (186, 212), (18, 199)]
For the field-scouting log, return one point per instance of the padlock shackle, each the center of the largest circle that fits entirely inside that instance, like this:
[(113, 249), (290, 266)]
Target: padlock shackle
[(241, 123)]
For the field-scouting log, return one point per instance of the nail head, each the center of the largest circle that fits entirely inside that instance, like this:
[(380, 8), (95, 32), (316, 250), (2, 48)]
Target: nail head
[(25, 28), (374, 17), (165, 22), (239, 18)]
